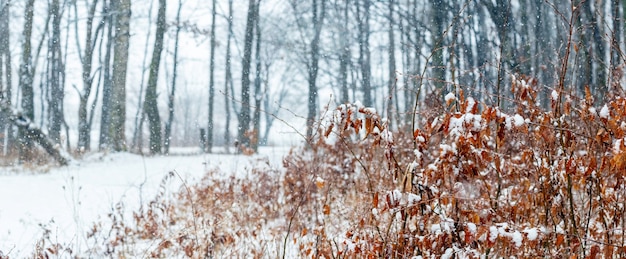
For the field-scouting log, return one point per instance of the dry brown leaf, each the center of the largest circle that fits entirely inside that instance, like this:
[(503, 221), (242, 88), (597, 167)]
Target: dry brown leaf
[(326, 209)]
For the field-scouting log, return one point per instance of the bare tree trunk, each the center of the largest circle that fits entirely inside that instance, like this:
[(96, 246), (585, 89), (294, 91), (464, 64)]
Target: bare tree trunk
[(624, 21), (364, 51), (151, 104), (140, 115), (598, 51), (405, 40), (502, 17), (66, 127), (391, 84), (229, 77), (209, 133), (26, 83), (543, 45), (419, 40), (5, 75), (103, 42), (42, 74), (10, 133), (615, 36), (317, 21), (120, 64), (84, 128), (470, 58), (344, 60), (256, 119), (525, 66), (244, 115), (171, 97), (438, 14), (105, 121), (584, 70), (55, 73)]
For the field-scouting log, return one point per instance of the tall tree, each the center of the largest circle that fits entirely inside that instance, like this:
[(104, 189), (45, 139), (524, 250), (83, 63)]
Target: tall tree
[(244, 114), (439, 18), (525, 40), (140, 117), (391, 51), (363, 17), (171, 96), (151, 104), (5, 74), (624, 20), (543, 39), (345, 56), (120, 64), (615, 37), (543, 46), (405, 59), (86, 59), (107, 85), (209, 133), (258, 95), (411, 47), (26, 82), (597, 48), (228, 82), (317, 19), (501, 15), (55, 75), (584, 58)]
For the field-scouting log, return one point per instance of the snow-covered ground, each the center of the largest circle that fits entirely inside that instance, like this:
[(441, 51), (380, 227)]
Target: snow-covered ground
[(68, 200)]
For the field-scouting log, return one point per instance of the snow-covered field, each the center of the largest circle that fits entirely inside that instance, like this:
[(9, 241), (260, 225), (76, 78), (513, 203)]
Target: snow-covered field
[(68, 200)]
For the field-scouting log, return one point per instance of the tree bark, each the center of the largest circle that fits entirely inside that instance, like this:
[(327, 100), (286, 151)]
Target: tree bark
[(151, 104), (256, 119), (317, 20), (107, 85), (137, 143), (55, 74), (438, 15), (502, 17), (364, 51), (391, 83), (229, 77), (344, 60), (615, 36), (209, 137), (84, 127), (171, 97), (244, 115), (584, 71), (117, 131), (6, 131), (26, 83), (598, 52)]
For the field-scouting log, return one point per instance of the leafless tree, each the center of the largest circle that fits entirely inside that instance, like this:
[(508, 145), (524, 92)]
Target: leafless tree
[(151, 104), (172, 94)]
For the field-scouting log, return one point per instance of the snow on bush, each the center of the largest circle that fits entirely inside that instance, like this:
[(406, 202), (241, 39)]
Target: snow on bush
[(470, 181), (449, 98), (604, 112)]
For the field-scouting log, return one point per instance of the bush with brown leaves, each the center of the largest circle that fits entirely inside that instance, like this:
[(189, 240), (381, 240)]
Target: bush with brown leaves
[(471, 180)]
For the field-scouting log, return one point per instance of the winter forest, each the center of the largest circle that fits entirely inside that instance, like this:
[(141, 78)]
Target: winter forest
[(368, 128)]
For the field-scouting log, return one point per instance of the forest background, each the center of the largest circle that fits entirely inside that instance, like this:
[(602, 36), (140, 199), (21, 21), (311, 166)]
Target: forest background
[(128, 75)]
